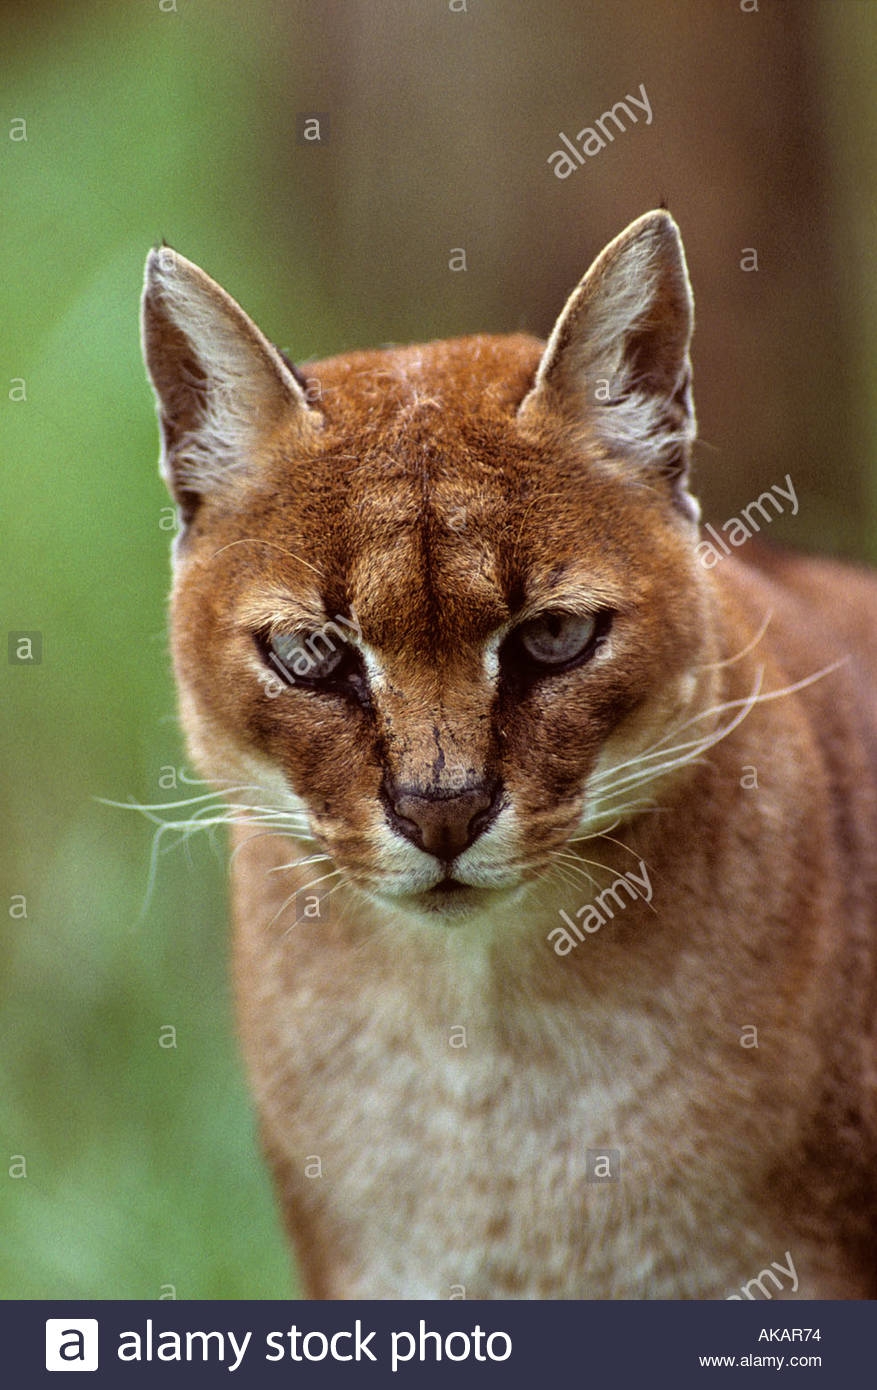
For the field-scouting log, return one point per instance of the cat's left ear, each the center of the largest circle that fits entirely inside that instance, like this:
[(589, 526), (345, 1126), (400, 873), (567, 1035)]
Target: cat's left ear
[(618, 358)]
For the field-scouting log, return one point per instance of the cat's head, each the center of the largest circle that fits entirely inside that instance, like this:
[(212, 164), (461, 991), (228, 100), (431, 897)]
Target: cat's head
[(437, 606)]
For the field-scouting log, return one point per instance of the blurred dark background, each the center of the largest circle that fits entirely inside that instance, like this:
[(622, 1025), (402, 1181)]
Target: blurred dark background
[(129, 1169)]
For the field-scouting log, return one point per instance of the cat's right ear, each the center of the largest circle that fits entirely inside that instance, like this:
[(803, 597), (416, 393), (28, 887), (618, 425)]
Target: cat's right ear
[(219, 383)]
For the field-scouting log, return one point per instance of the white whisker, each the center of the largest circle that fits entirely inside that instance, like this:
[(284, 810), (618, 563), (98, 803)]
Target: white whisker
[(209, 810), (570, 876), (306, 888), (656, 750), (640, 804), (700, 745), (298, 863), (731, 660), (658, 759), (579, 860)]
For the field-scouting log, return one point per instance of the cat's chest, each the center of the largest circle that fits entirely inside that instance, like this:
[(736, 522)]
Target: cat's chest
[(476, 1176), (440, 1151)]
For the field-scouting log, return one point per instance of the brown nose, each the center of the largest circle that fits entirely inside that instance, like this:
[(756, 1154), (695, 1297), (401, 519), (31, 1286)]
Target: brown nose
[(442, 823)]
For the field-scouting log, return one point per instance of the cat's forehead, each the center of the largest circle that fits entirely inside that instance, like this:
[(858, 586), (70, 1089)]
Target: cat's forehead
[(478, 375), (428, 438), (429, 513), (427, 443)]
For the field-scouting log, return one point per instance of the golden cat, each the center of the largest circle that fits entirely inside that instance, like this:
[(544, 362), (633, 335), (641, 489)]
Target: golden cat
[(555, 868)]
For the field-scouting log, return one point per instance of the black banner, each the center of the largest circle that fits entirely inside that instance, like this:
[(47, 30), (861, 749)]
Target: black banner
[(426, 1344)]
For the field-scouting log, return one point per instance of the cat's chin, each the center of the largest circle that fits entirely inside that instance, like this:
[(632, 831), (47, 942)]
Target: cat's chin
[(448, 903)]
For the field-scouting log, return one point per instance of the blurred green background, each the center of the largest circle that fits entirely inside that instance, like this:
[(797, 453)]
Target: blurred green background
[(128, 1169)]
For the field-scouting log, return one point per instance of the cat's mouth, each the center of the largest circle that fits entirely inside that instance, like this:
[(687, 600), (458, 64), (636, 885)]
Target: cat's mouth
[(449, 894), (449, 898), (447, 885)]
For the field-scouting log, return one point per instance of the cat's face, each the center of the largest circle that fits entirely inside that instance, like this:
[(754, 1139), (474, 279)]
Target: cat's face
[(435, 617)]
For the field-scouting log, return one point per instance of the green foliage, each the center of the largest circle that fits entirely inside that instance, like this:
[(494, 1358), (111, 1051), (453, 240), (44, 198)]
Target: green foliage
[(142, 1165)]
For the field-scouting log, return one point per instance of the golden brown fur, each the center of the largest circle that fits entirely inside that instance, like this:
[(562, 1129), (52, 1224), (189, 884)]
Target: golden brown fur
[(436, 499)]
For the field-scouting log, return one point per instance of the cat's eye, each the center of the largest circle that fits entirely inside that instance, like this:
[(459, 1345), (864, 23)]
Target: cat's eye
[(556, 640), (307, 657)]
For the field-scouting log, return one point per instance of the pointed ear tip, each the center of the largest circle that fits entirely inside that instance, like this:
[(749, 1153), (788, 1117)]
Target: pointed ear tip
[(658, 233), (156, 266), (661, 224), (654, 233), (164, 263), (659, 214)]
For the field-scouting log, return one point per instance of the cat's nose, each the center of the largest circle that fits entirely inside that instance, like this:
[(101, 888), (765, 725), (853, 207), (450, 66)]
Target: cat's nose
[(441, 823)]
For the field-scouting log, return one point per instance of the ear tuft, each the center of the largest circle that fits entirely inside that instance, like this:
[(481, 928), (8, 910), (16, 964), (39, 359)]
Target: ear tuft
[(618, 357), (218, 381)]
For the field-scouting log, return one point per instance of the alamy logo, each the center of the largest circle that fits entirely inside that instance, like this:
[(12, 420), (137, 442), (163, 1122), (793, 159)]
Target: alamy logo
[(596, 914), (594, 138), (71, 1344), (759, 1281), (738, 529)]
